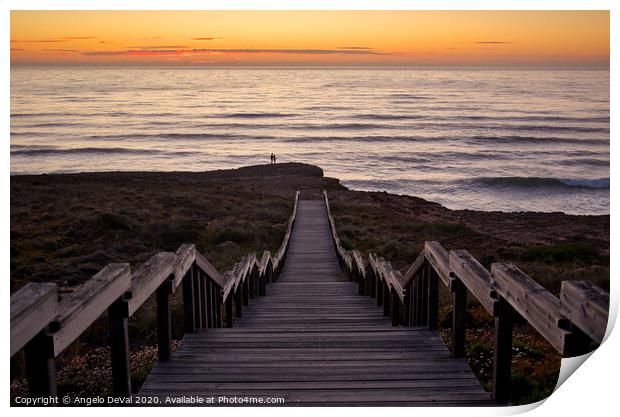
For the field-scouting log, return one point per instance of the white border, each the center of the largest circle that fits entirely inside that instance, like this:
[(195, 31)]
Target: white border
[(590, 391)]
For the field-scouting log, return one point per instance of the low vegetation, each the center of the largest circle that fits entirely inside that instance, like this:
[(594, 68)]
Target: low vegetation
[(64, 228)]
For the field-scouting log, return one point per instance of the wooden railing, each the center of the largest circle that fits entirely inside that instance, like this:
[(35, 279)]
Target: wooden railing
[(569, 323), (45, 326)]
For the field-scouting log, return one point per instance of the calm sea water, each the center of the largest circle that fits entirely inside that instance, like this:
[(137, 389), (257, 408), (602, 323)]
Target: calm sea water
[(468, 138)]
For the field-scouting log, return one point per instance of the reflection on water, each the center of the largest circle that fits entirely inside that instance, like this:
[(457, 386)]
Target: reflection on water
[(480, 139)]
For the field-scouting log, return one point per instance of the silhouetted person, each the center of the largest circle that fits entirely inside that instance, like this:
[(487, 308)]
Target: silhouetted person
[(274, 158)]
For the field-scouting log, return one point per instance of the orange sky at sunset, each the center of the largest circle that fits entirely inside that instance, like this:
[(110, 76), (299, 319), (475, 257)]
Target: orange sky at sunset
[(381, 38)]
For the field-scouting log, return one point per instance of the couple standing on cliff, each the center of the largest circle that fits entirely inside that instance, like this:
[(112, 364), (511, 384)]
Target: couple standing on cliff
[(273, 158)]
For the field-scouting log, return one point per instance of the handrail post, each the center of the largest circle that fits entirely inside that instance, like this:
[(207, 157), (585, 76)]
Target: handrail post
[(41, 365), (219, 305), (197, 299), (269, 274), (246, 288), (502, 352), (360, 280), (188, 301), (433, 298), (164, 329), (252, 284), (238, 302), (386, 299), (229, 310), (414, 300), (372, 290), (459, 307), (118, 314), (419, 298), (210, 304), (202, 288), (407, 306), (379, 290), (424, 294), (395, 311)]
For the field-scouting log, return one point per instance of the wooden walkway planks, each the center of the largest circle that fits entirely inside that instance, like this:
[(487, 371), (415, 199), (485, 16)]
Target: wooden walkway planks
[(313, 341)]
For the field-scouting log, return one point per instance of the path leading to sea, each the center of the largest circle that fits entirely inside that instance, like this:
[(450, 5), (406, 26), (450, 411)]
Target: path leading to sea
[(312, 340)]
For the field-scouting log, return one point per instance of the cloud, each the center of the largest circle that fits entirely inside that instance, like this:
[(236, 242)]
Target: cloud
[(197, 51), (493, 42), (158, 47), (17, 49), (53, 40), (38, 40), (294, 51), (354, 47), (61, 50), (205, 39), (135, 52)]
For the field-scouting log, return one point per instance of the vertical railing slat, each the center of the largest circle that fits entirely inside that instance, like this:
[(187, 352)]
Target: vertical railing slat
[(164, 329), (118, 315), (459, 307)]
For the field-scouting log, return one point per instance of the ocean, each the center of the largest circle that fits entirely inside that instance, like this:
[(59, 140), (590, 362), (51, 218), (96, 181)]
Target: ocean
[(483, 139)]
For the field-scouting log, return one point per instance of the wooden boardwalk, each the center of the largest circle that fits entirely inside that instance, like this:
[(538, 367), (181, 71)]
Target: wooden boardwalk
[(314, 341)]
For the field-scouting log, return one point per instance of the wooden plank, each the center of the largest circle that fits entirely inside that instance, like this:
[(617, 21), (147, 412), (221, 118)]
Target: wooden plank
[(314, 340), (118, 317), (502, 352), (82, 307), (32, 309), (184, 259), (475, 277), (439, 259), (414, 268), (587, 306), (208, 269), (535, 304), (146, 279), (263, 262), (459, 311)]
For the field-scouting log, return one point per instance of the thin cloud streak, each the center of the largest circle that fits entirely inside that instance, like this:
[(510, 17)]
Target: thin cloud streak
[(53, 40), (136, 52), (494, 42), (158, 47), (38, 40), (294, 51), (173, 51)]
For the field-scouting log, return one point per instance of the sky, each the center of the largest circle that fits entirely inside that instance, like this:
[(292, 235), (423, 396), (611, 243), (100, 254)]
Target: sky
[(311, 38)]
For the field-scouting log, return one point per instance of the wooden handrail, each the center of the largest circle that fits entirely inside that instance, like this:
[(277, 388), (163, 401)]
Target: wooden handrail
[(46, 326), (586, 306), (31, 308), (85, 305), (535, 304), (476, 278), (568, 323)]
